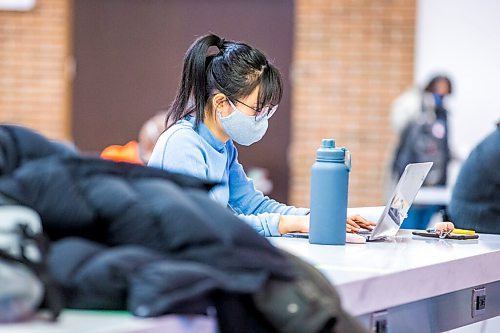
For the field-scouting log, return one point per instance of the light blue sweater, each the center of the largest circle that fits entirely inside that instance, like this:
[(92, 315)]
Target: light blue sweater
[(200, 154)]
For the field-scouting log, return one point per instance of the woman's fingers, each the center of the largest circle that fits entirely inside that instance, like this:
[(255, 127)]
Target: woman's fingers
[(351, 230), (362, 222), (351, 222), (444, 228), (351, 225)]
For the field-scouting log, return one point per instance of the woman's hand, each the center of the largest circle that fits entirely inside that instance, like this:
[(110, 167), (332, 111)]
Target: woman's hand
[(293, 223), (355, 222), (444, 228), (296, 223)]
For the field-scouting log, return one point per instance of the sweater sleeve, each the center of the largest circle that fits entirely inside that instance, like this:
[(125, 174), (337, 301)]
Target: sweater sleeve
[(260, 211), (265, 224)]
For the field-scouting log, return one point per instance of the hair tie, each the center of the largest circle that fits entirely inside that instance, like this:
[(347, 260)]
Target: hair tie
[(220, 44)]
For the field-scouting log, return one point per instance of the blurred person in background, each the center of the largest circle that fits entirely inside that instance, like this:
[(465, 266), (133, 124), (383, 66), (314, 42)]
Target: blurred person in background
[(138, 152), (149, 134), (420, 120), (261, 180)]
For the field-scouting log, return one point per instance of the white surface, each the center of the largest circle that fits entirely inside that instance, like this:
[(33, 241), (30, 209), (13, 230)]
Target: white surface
[(80, 321), (17, 5), (369, 213), (354, 238), (433, 196), (379, 275), (486, 326), (462, 39)]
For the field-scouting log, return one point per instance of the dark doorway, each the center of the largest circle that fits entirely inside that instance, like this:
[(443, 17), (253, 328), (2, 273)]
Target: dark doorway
[(129, 58)]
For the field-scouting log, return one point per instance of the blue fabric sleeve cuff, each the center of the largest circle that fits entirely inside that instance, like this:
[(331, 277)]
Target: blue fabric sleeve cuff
[(265, 224), (273, 222), (298, 211)]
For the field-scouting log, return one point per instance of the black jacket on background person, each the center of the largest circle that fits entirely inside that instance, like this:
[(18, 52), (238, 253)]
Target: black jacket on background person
[(130, 237), (475, 202)]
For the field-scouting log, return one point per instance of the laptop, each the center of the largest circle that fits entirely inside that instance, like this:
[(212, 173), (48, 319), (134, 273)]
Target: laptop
[(397, 206)]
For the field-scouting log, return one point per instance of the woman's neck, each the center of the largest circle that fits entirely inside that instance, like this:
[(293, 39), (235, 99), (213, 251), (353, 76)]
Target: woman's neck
[(214, 127)]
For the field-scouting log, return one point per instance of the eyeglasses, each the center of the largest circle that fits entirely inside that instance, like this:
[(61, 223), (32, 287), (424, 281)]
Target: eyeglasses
[(265, 112)]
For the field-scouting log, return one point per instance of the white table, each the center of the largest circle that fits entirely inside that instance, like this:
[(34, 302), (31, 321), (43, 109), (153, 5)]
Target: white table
[(418, 284), (421, 284), (81, 321)]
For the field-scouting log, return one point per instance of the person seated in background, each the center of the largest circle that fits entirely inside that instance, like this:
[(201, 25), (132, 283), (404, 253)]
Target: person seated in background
[(149, 134), (138, 152), (475, 202)]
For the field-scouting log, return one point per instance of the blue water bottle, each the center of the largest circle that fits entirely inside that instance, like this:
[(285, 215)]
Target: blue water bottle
[(329, 189)]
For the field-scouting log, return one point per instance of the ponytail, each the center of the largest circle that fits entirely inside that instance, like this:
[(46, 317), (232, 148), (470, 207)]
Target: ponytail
[(193, 82), (236, 70)]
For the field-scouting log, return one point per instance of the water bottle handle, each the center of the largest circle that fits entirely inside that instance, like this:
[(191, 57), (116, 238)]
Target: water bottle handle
[(346, 151)]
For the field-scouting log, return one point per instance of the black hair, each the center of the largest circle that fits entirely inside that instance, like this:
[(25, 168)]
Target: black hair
[(431, 86), (236, 70)]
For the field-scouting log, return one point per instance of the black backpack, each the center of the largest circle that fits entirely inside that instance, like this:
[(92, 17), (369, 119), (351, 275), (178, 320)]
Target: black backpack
[(425, 139)]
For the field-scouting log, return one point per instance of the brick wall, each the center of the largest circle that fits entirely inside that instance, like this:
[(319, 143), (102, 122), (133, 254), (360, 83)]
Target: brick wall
[(34, 85), (352, 58)]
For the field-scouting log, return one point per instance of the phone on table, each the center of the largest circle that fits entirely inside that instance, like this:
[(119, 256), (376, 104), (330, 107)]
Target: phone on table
[(433, 234)]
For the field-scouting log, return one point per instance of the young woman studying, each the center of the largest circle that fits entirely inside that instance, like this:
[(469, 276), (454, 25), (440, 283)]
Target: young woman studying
[(226, 97)]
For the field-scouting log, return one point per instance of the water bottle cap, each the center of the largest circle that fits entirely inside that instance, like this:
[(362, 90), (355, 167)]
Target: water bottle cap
[(328, 153), (327, 143)]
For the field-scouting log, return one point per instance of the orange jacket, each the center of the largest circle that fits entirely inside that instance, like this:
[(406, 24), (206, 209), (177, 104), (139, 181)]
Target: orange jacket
[(126, 153)]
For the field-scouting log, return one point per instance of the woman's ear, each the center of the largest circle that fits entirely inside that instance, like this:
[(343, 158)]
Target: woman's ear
[(220, 104)]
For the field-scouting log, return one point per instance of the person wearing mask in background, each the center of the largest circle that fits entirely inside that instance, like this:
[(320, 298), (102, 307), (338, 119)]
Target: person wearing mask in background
[(475, 202), (225, 97), (420, 120)]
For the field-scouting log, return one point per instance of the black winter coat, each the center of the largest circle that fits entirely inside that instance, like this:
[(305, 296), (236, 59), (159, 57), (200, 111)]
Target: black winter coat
[(131, 237)]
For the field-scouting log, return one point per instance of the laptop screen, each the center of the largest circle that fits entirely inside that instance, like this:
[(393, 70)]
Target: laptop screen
[(401, 200)]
